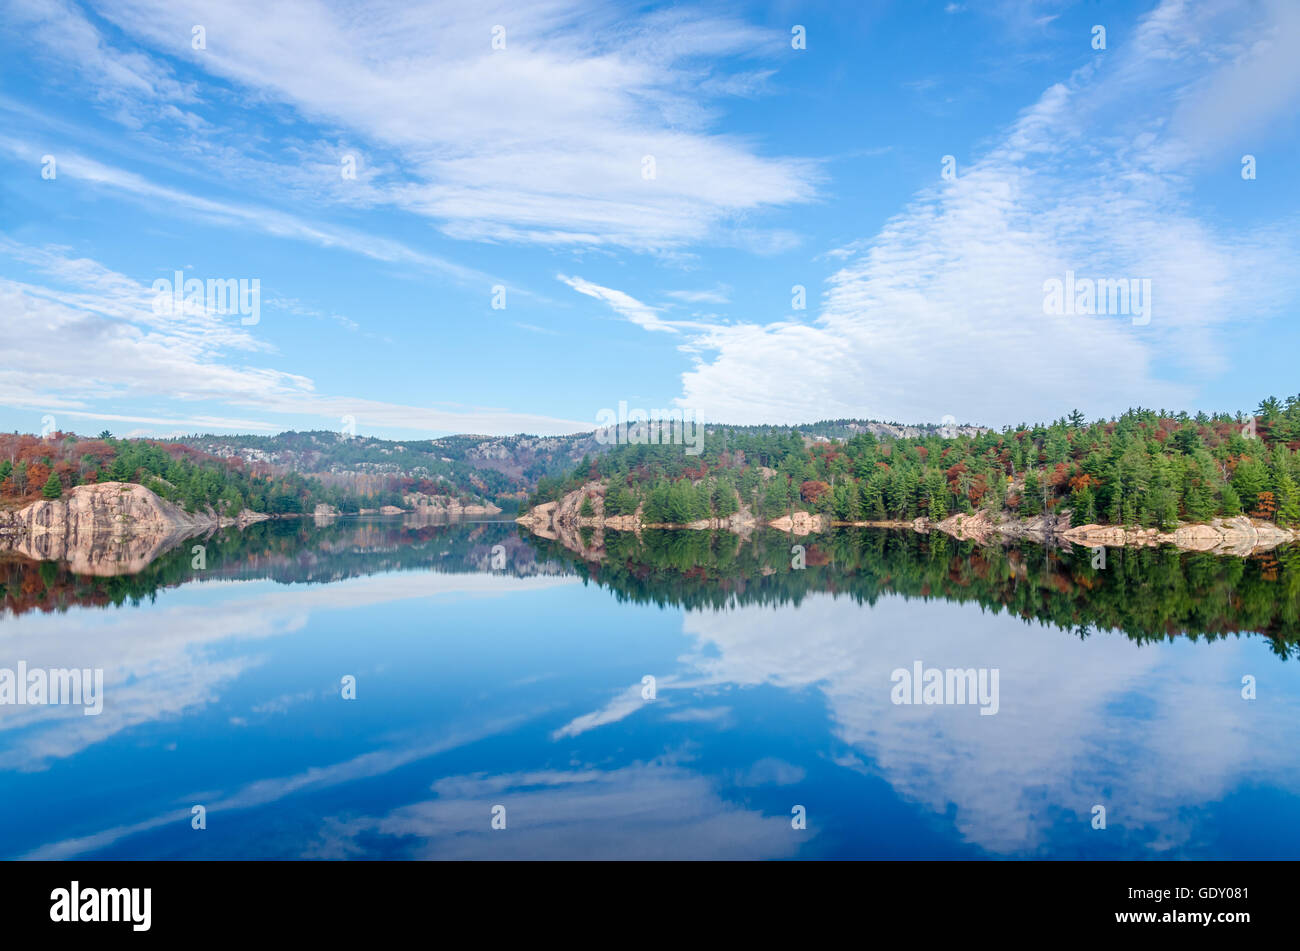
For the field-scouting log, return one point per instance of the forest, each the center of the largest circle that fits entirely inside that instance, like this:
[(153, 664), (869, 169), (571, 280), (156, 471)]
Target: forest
[(33, 467), (1143, 468)]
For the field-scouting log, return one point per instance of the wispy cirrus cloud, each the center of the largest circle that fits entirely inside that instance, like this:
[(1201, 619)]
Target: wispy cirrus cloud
[(544, 141), (625, 305), (720, 294), (923, 318), (88, 338), (241, 215)]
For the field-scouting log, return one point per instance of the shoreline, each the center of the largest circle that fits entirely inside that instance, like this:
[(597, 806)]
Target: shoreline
[(113, 528), (1236, 535)]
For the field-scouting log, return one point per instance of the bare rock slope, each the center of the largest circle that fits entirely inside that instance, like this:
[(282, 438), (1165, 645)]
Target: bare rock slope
[(105, 529)]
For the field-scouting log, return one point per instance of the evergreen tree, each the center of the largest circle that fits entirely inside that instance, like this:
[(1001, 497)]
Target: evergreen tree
[(1249, 479), (1031, 499), (1083, 507), (1229, 501), (1288, 501)]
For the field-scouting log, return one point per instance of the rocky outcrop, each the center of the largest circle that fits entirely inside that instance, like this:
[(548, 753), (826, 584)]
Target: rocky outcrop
[(106, 529), (980, 527), (540, 519), (560, 521), (446, 506), (801, 523), (552, 519), (105, 508), (1230, 536), (1233, 536), (324, 514), (1040, 528)]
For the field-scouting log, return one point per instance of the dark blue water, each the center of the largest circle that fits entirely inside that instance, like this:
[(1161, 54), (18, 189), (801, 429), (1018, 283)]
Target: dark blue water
[(523, 688)]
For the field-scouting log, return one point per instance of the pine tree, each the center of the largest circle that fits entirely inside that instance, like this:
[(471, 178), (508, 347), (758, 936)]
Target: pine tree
[(1199, 502), (1288, 501), (1230, 501), (1083, 507), (1031, 500), (1250, 479), (53, 487)]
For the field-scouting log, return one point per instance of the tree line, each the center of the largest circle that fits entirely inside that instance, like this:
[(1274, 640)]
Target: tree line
[(1143, 468)]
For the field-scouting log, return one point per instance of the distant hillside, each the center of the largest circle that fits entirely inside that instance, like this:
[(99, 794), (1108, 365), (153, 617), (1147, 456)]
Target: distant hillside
[(497, 468), (842, 429), (295, 471), (502, 469)]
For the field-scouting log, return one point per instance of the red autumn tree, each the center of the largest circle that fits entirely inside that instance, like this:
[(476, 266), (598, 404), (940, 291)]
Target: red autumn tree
[(812, 490), (1265, 505)]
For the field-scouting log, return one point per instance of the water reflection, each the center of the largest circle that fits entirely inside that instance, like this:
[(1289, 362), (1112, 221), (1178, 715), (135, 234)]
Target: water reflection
[(521, 685)]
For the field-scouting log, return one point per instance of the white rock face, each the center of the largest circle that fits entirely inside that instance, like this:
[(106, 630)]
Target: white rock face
[(105, 529), (106, 508)]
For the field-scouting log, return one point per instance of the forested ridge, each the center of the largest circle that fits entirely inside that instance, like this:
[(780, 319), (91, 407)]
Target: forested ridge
[(468, 467), (1145, 467), (288, 473)]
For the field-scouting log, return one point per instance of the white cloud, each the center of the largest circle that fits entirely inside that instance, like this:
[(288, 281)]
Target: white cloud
[(93, 340), (261, 218), (130, 84), (716, 295), (540, 142), (625, 305), (643, 315), (942, 312)]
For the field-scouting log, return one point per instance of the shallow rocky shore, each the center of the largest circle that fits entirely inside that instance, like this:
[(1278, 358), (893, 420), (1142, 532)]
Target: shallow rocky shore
[(560, 520)]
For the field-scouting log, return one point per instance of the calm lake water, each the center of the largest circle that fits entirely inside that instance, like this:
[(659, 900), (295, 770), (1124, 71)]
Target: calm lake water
[(493, 669)]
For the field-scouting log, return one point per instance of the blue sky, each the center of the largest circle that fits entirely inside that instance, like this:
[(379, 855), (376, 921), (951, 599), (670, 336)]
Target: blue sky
[(524, 168)]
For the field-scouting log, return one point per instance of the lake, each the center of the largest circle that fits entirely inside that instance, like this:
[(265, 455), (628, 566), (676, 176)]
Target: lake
[(386, 688)]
